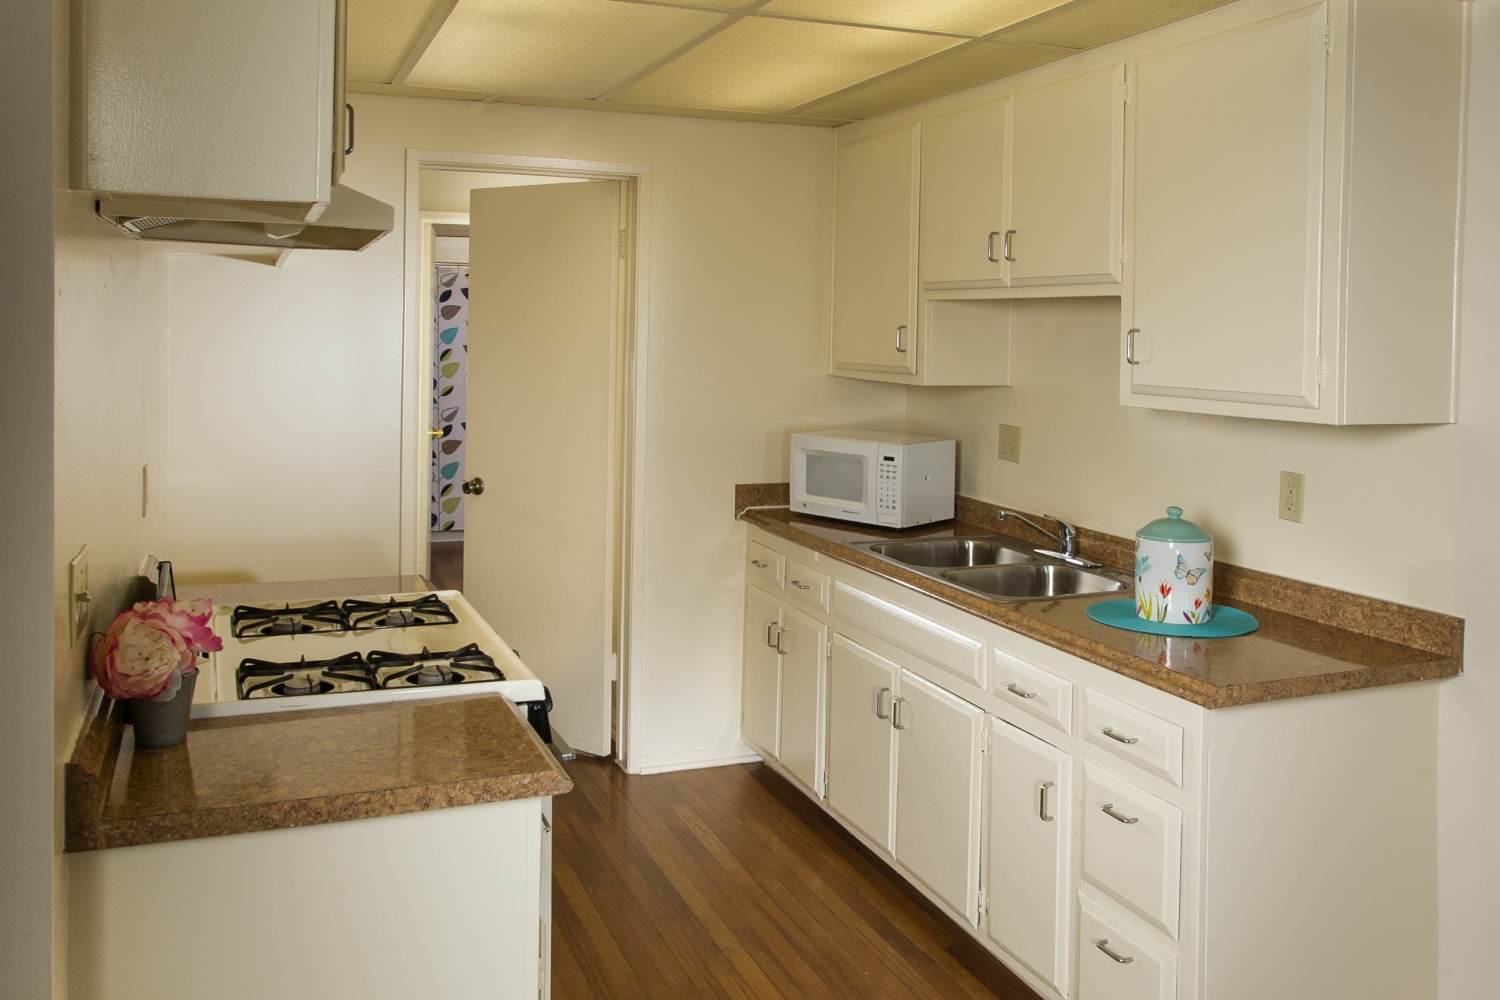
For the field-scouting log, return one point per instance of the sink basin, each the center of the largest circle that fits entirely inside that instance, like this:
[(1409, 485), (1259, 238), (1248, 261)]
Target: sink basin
[(1038, 581), (949, 553)]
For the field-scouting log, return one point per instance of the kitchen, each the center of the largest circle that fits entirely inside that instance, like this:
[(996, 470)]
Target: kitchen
[(170, 354)]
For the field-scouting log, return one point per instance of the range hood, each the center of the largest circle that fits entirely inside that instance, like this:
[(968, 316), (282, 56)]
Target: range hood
[(352, 221)]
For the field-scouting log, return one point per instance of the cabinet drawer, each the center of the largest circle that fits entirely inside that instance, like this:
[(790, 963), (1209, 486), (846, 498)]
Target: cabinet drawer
[(764, 566), (1027, 686), (940, 645), (1118, 960), (807, 584), (1133, 734), (1132, 846)]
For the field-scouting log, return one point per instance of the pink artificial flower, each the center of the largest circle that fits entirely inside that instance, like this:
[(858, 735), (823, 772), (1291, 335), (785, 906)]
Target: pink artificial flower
[(188, 618), (139, 656)]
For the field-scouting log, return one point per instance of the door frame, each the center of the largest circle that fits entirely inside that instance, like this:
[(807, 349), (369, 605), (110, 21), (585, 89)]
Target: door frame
[(629, 431)]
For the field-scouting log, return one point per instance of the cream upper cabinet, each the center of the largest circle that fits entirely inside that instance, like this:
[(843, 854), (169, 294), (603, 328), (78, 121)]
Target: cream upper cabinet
[(964, 164), (1067, 181), (874, 317), (1291, 217)]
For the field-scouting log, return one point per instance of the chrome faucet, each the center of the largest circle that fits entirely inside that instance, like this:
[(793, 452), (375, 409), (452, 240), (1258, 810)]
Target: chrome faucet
[(1066, 536)]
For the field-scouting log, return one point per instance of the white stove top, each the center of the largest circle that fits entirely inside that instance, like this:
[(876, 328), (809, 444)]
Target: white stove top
[(217, 692)]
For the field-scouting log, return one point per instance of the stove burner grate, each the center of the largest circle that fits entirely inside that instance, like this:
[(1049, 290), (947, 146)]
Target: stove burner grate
[(429, 609), (249, 621), (464, 665), (265, 679)]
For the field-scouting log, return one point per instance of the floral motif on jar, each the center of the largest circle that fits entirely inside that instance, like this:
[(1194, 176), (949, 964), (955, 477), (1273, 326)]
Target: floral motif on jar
[(1174, 571)]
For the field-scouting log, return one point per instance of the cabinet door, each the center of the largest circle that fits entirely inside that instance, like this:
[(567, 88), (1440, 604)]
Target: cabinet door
[(1067, 180), (938, 790), (1227, 218), (803, 644), (1030, 810), (875, 253), (761, 686), (963, 196), (861, 744)]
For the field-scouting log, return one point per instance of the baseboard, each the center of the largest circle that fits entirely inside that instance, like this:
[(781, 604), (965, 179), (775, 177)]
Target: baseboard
[(737, 753)]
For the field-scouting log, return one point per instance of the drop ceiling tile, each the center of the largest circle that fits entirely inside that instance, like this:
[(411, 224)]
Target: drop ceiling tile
[(567, 49), (381, 32), (946, 73), (966, 17), (769, 66), (1087, 23)]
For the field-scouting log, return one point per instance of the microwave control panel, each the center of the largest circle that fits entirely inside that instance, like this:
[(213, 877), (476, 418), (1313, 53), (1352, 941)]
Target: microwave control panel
[(888, 488)]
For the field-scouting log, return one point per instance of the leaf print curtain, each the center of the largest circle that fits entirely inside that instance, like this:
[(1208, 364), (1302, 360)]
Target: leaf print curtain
[(450, 369)]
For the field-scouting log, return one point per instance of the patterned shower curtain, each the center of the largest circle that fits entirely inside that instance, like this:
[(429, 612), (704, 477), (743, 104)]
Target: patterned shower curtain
[(450, 369)]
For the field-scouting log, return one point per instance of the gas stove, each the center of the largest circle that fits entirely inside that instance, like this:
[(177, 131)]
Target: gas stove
[(372, 647)]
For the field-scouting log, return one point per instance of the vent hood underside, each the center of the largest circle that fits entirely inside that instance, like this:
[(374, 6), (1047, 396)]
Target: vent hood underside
[(352, 221)]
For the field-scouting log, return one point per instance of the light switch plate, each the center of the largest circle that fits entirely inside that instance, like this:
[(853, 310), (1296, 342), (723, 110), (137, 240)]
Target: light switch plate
[(78, 596), (1010, 443)]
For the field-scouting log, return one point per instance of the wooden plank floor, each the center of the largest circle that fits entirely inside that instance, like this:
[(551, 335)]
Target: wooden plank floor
[(728, 882)]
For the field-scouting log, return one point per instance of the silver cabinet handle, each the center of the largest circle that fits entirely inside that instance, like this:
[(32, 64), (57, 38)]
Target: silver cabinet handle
[(1109, 810), (1130, 358), (1016, 690), (770, 639), (1041, 808), (1103, 945), (900, 337), (779, 633), (989, 248), (760, 564), (878, 713), (801, 586), (896, 713), (349, 146), (1110, 732), (1005, 251)]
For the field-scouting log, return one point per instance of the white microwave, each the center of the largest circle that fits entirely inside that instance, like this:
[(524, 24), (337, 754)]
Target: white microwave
[(884, 478)]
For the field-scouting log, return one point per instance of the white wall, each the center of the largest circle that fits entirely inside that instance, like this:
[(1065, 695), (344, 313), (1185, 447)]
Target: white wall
[(293, 376), (1469, 738), (1375, 500)]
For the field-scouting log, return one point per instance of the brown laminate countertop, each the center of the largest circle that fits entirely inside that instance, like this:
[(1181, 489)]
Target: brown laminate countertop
[(1311, 640), (274, 770)]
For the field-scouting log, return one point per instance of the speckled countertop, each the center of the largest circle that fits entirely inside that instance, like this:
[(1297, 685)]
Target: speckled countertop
[(1311, 640), (287, 769)]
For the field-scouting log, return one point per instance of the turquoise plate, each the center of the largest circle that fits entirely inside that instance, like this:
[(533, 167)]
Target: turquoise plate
[(1225, 622)]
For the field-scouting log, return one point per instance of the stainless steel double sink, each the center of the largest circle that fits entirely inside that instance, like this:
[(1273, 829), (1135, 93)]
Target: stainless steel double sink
[(997, 567)]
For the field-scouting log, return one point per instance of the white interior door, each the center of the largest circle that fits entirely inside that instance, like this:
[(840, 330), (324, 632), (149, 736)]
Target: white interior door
[(539, 541)]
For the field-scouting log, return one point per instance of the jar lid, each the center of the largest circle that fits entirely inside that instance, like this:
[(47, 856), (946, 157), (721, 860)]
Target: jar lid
[(1173, 528)]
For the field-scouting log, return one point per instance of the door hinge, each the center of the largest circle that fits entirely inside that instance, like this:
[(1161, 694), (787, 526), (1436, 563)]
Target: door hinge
[(1328, 39), (984, 741), (825, 783), (982, 903), (1122, 252), (622, 244), (1321, 371), (1125, 90)]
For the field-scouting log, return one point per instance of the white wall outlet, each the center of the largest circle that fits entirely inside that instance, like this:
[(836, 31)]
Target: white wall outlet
[(78, 596), (1289, 503), (1010, 443)]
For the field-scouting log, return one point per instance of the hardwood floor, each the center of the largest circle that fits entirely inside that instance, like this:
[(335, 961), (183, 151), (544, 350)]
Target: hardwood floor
[(728, 882), (446, 565)]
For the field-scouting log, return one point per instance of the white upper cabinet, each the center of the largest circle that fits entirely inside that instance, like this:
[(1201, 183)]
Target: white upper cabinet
[(1290, 217), (875, 255), (231, 104), (964, 165), (1067, 181)]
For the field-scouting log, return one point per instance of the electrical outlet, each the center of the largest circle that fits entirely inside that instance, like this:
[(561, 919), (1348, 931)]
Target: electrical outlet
[(1010, 443), (1289, 503), (78, 596)]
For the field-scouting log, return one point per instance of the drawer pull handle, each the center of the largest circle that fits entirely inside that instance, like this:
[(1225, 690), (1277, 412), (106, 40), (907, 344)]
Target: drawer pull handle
[(896, 713), (801, 586), (1109, 810), (1047, 786), (878, 713), (1103, 945), (1015, 689), (1110, 732), (760, 564)]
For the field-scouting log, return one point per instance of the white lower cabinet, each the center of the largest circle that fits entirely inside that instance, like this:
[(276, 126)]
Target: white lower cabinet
[(760, 690), (782, 691), (904, 768), (1120, 961), (1027, 851), (1132, 846)]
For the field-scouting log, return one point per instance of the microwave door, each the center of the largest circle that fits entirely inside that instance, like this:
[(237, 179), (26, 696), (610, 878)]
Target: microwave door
[(841, 482)]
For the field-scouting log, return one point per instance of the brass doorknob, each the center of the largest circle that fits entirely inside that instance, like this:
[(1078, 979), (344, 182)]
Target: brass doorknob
[(474, 486)]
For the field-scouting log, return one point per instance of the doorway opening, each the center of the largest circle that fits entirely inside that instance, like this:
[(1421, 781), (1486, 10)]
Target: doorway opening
[(438, 184)]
